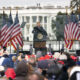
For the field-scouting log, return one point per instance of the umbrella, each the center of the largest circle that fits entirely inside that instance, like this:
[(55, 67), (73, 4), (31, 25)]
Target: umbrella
[(43, 64)]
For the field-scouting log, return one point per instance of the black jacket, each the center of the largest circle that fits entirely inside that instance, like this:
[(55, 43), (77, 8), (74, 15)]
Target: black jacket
[(37, 30)]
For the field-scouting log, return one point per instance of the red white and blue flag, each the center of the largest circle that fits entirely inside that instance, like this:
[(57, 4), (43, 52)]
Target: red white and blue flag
[(7, 38), (67, 36), (3, 30), (16, 34)]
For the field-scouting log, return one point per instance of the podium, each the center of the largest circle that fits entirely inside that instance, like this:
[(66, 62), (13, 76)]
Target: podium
[(39, 40), (40, 44)]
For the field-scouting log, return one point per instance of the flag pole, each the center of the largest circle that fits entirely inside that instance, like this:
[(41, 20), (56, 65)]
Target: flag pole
[(3, 10), (10, 36), (66, 15), (17, 43), (3, 15)]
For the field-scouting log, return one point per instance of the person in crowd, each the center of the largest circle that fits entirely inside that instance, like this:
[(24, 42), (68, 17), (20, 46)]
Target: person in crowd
[(14, 59), (74, 73), (7, 62), (45, 68), (33, 63), (23, 58), (10, 74), (53, 71), (35, 76), (69, 63), (1, 60), (5, 51), (2, 71), (30, 69), (19, 58), (21, 71)]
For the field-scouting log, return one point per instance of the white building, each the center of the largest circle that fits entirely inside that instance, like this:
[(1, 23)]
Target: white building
[(33, 14)]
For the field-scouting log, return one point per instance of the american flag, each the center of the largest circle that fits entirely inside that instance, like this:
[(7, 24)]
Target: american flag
[(3, 30), (72, 31), (10, 25), (67, 36), (16, 34), (74, 28), (79, 27)]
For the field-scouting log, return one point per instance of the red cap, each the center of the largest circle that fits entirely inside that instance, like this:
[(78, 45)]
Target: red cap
[(33, 55), (10, 73), (41, 58), (74, 58), (47, 56), (61, 62)]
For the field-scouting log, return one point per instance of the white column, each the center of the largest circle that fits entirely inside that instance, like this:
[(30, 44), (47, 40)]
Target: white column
[(51, 24), (30, 30), (24, 18), (37, 18), (25, 32), (43, 21), (48, 24)]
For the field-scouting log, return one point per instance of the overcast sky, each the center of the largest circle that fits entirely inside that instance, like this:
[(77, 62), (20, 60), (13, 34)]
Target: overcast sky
[(33, 2)]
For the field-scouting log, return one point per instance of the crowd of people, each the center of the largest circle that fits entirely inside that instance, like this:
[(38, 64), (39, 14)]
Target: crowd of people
[(57, 66)]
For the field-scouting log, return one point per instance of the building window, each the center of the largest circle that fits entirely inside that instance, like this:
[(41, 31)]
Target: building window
[(40, 19), (45, 19), (23, 18), (34, 19), (27, 19)]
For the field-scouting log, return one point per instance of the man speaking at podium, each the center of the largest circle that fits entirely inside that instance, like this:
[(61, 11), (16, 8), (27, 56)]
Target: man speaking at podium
[(39, 33), (39, 39)]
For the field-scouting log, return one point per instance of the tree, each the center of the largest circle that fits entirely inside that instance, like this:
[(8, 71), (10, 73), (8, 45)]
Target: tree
[(75, 4), (58, 26)]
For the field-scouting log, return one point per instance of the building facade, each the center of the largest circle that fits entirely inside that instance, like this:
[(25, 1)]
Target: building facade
[(31, 15)]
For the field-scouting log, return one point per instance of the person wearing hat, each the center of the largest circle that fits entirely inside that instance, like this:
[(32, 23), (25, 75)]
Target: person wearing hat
[(10, 73)]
